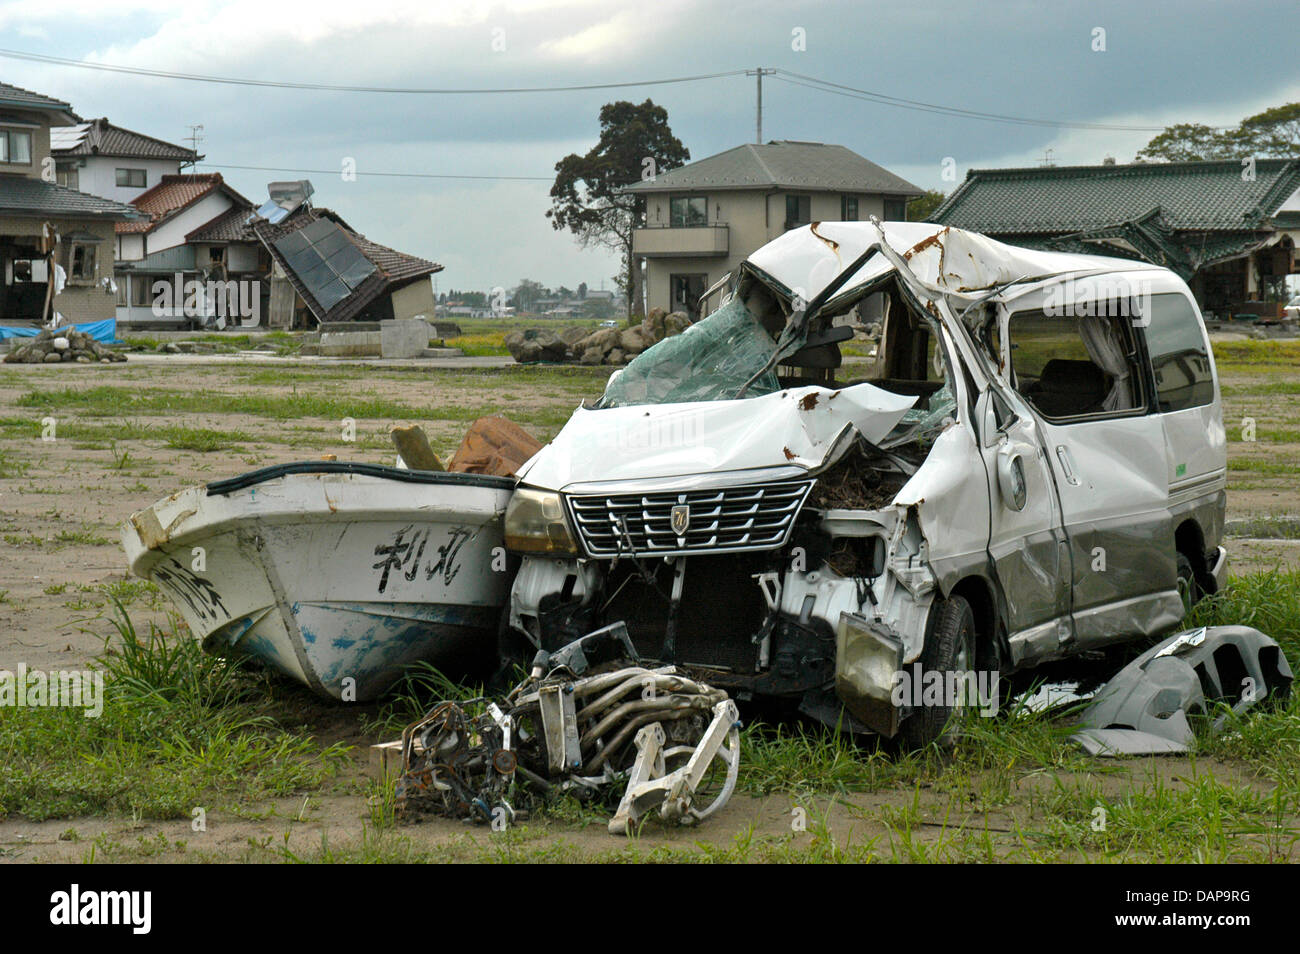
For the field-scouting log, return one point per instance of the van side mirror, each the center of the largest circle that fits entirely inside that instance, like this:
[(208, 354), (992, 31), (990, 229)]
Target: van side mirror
[(1011, 478)]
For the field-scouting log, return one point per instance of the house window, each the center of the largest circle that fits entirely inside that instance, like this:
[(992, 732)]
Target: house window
[(895, 210), (68, 177), (848, 208), (688, 211), (15, 147), (798, 210), (686, 293), (130, 178), (81, 262)]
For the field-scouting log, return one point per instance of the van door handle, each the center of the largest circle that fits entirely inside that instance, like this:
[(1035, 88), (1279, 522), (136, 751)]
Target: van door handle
[(1063, 455)]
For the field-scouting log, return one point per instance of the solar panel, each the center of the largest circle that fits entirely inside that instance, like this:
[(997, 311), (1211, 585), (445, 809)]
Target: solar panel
[(325, 260)]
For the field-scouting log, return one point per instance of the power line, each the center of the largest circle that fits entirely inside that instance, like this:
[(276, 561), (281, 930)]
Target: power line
[(392, 175), (787, 76), (826, 86), (336, 88)]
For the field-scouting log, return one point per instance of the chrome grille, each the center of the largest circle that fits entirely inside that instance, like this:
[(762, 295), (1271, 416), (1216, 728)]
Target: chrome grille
[(758, 517)]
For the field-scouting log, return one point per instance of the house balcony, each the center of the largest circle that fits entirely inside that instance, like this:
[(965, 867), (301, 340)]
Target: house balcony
[(701, 241)]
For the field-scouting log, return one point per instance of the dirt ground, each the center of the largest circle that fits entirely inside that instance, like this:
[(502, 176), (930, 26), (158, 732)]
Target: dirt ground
[(898, 824), (63, 499)]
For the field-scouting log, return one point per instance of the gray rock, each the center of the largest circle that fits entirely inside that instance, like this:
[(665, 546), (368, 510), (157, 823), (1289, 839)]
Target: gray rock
[(632, 341), (572, 335), (53, 358), (676, 323)]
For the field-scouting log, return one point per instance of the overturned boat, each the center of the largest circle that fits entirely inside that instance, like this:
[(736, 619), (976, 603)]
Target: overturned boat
[(337, 574)]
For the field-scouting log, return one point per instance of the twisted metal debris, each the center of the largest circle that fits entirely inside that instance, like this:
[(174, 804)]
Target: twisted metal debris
[(673, 741)]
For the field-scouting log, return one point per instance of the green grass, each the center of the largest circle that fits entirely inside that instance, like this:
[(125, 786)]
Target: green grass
[(112, 401), (10, 466), (1269, 602), (202, 439), (1265, 466), (179, 730)]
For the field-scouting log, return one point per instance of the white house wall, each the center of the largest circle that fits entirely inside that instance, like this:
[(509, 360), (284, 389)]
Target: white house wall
[(753, 219), (130, 247), (99, 175), (173, 232)]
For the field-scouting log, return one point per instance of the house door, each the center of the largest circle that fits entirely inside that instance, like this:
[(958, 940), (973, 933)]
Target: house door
[(687, 291), (22, 296)]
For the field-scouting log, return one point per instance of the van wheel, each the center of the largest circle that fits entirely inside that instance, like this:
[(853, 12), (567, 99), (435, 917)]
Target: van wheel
[(1188, 588), (949, 647)]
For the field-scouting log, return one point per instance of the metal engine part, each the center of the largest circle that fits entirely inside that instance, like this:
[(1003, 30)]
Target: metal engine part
[(674, 741)]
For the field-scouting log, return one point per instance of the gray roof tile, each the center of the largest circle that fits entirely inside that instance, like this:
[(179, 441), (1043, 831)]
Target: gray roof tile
[(785, 164), (99, 137), (25, 196), (1191, 196), (17, 96)]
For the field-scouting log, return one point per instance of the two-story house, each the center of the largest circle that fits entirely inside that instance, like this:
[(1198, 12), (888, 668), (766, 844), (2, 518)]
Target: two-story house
[(106, 160), (56, 244), (191, 229), (703, 219)]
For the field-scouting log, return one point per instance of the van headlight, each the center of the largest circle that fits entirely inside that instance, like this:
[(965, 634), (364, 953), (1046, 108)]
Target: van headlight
[(535, 524)]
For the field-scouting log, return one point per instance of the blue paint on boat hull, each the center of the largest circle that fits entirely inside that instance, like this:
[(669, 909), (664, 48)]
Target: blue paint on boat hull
[(355, 651)]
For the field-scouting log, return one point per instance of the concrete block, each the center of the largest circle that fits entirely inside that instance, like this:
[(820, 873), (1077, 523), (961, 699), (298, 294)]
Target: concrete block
[(403, 337), (348, 344)]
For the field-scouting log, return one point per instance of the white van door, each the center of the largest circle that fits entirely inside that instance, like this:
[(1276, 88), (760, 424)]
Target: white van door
[(1027, 542), (1081, 373)]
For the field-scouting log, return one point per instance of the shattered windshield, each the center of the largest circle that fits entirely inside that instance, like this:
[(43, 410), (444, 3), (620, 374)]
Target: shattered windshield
[(710, 361), (924, 423)]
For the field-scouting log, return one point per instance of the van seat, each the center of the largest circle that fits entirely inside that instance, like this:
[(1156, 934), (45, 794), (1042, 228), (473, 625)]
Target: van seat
[(1066, 388)]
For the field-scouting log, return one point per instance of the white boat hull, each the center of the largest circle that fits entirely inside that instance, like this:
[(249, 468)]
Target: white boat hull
[(338, 575)]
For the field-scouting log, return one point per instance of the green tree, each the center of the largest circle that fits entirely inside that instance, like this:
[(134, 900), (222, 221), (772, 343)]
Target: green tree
[(1190, 141), (1274, 132), (919, 209), (526, 294), (587, 197)]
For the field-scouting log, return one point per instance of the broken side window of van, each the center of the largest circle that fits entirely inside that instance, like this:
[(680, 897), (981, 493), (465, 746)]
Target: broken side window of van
[(909, 369), (710, 361), (1072, 365)]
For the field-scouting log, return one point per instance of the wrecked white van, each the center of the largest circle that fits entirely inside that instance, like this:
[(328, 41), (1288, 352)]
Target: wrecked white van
[(1032, 466)]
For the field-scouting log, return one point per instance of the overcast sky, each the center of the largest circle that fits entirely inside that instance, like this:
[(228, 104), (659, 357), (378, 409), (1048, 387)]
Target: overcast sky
[(1193, 61)]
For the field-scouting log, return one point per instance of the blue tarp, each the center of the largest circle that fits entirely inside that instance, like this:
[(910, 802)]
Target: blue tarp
[(102, 331)]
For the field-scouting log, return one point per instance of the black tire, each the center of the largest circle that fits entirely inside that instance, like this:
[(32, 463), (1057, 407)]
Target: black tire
[(950, 645)]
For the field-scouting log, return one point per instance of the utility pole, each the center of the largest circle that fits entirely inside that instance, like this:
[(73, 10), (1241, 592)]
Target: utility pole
[(758, 117)]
